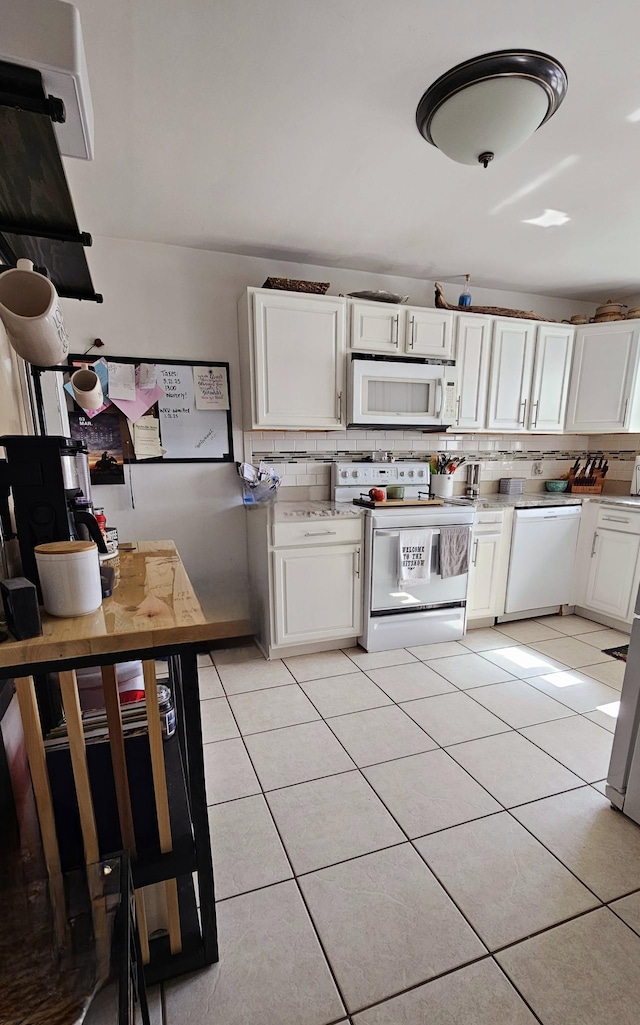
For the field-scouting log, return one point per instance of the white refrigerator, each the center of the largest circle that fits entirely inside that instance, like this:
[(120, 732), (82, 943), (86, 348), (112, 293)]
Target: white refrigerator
[(623, 780)]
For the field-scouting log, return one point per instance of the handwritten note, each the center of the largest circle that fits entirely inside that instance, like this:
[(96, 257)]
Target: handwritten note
[(210, 386), (188, 432), (122, 381), (147, 376)]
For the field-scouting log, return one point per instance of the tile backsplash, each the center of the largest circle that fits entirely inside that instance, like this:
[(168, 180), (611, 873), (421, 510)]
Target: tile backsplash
[(303, 459)]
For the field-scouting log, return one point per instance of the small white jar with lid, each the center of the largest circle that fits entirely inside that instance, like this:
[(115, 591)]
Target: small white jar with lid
[(69, 574)]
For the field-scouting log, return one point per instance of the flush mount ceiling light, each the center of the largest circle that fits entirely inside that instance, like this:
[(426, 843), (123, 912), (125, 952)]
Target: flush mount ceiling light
[(487, 107)]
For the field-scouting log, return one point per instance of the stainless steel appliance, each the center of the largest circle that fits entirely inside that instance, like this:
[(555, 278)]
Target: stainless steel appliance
[(397, 615), (623, 778), (49, 482), (635, 479), (390, 391)]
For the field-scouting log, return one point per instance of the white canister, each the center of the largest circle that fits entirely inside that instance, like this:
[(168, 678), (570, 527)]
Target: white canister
[(87, 390), (69, 574), (442, 485)]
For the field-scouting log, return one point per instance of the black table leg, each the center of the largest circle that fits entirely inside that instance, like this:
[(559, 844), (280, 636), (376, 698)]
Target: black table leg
[(198, 797)]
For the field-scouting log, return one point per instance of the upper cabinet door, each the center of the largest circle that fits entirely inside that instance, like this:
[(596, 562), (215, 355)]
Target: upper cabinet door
[(298, 361), (473, 352), (375, 327), (429, 333), (602, 376), (511, 369), (551, 371)]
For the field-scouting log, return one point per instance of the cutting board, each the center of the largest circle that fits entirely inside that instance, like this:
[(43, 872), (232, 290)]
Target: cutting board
[(389, 503)]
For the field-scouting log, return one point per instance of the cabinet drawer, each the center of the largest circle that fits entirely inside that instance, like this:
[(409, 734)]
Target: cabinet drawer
[(487, 520), (612, 517), (316, 532)]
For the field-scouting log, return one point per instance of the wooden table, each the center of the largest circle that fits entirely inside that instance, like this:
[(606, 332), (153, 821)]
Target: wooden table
[(153, 612)]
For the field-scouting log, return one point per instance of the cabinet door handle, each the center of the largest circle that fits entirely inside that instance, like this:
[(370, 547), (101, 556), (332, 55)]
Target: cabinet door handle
[(397, 323), (616, 519), (626, 406), (413, 329), (320, 533), (474, 557), (593, 546), (357, 561), (340, 406), (524, 412), (535, 414)]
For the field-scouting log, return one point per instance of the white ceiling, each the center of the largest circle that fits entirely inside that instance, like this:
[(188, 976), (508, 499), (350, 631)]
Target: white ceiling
[(285, 128)]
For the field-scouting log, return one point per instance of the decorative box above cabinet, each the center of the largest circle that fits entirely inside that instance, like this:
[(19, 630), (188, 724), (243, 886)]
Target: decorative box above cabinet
[(292, 359)]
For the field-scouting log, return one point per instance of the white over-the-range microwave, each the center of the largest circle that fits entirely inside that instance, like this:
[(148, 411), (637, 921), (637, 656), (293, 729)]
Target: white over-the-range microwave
[(389, 391)]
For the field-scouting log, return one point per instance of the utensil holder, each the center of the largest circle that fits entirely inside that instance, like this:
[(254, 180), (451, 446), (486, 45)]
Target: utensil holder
[(442, 485)]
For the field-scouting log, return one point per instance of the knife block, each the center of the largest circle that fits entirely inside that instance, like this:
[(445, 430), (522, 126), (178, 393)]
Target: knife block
[(586, 489)]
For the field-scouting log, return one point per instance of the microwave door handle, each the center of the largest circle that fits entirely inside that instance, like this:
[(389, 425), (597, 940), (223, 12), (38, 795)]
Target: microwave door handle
[(439, 396)]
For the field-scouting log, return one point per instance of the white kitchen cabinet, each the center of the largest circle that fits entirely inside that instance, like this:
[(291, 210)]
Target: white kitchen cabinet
[(512, 351), (603, 396), (473, 352), (551, 372), (375, 326), (293, 360), (483, 575), (490, 546), (317, 593), (428, 333), (609, 589)]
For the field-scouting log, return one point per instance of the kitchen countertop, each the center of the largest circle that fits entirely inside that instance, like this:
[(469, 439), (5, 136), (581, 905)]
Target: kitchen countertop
[(153, 605), (535, 501), (284, 511)]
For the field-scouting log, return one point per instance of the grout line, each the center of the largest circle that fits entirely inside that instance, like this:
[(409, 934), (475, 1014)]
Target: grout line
[(302, 897), (503, 808)]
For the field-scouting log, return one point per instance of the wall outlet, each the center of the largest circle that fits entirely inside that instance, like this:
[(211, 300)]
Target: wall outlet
[(536, 468)]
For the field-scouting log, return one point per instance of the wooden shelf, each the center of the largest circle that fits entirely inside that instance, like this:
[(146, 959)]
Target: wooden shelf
[(37, 218)]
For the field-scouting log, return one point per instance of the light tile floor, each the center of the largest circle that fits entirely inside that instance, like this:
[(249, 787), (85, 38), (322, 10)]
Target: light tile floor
[(419, 836)]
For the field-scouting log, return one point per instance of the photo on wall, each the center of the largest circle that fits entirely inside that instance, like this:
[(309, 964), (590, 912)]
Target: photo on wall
[(102, 436)]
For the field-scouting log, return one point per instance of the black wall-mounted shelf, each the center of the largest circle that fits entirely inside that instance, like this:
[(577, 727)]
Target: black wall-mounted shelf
[(37, 218)]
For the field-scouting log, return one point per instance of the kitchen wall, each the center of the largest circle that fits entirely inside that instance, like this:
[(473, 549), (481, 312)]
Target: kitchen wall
[(304, 460), (167, 301)]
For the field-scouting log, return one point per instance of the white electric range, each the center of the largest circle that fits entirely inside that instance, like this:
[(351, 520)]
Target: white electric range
[(400, 615)]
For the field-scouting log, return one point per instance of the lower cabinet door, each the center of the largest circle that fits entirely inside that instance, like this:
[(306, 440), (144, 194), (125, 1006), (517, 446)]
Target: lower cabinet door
[(317, 593), (483, 575), (613, 564)]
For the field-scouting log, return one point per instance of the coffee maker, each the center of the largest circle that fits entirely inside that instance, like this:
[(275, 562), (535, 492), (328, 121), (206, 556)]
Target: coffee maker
[(50, 484)]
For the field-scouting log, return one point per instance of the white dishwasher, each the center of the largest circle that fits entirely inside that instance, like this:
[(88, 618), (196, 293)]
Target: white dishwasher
[(543, 550)]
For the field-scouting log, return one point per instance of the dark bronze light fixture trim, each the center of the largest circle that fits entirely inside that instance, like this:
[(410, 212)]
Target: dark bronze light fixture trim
[(546, 71)]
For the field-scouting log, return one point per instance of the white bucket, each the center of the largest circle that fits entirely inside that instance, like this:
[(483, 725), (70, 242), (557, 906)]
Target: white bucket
[(69, 574), (442, 485)]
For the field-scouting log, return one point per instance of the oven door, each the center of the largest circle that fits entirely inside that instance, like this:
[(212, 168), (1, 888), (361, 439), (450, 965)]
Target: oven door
[(396, 393), (389, 595)]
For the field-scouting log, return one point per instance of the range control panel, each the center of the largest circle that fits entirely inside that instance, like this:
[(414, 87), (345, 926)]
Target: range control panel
[(369, 475)]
